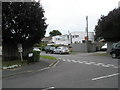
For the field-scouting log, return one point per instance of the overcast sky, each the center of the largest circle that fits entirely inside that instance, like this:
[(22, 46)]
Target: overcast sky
[(70, 15)]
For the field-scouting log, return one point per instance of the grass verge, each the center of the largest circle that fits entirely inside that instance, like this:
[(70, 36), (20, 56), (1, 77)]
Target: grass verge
[(15, 62), (18, 62), (73, 52), (101, 54), (48, 57)]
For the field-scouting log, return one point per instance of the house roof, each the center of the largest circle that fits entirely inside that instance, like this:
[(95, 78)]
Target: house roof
[(46, 39), (102, 40)]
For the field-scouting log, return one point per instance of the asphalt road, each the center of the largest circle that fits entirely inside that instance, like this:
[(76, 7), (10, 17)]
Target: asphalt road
[(82, 70)]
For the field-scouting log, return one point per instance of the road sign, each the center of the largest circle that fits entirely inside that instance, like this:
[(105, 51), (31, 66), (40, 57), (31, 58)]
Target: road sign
[(20, 49)]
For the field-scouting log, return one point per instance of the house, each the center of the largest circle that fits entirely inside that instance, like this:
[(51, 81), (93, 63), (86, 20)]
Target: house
[(75, 39), (71, 38), (61, 39), (47, 40), (79, 37)]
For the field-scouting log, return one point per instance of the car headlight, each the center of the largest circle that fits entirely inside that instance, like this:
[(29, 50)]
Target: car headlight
[(63, 50)]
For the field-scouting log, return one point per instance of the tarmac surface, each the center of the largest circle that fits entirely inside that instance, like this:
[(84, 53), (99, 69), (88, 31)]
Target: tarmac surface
[(33, 67), (80, 70)]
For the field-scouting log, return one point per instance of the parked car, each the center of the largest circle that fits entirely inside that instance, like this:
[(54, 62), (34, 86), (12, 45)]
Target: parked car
[(62, 50), (104, 47), (115, 51), (52, 49), (36, 49), (49, 49)]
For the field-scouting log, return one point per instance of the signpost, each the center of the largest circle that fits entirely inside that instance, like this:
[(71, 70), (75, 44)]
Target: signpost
[(20, 50)]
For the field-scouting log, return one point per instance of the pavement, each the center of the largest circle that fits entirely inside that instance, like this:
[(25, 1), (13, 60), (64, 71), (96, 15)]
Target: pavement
[(43, 64)]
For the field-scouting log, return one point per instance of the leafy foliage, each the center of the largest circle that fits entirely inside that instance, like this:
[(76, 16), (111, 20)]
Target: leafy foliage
[(23, 22), (55, 33), (109, 26), (41, 45)]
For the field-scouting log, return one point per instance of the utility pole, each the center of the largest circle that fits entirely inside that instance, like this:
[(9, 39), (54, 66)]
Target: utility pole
[(39, 0), (118, 4), (87, 27), (87, 38), (70, 37)]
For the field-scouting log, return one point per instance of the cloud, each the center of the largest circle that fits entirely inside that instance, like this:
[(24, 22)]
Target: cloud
[(69, 15)]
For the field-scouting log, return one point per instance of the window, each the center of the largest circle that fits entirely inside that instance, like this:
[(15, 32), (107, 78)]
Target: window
[(76, 36), (118, 46), (57, 39)]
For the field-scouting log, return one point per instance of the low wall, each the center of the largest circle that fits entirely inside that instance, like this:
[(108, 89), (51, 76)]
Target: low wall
[(82, 47)]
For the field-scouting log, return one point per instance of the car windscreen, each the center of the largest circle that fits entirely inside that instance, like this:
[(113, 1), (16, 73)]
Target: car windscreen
[(47, 47)]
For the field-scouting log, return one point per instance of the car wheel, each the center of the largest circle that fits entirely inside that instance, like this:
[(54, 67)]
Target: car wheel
[(114, 55), (60, 52), (51, 52)]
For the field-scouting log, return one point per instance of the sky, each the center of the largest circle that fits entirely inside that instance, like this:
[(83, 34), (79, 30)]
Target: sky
[(70, 15)]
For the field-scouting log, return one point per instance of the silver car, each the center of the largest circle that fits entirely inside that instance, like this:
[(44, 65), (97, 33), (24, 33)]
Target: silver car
[(62, 50)]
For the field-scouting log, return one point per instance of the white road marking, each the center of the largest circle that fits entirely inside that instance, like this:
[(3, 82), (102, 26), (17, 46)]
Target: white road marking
[(110, 65), (29, 71), (45, 68), (59, 58), (105, 65), (115, 67), (68, 60), (74, 61), (80, 62), (91, 63), (98, 64), (85, 62), (107, 76), (88, 63), (64, 60), (48, 88), (56, 63)]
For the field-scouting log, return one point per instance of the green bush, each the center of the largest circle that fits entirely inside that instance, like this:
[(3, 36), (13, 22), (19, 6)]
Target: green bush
[(56, 46), (41, 45)]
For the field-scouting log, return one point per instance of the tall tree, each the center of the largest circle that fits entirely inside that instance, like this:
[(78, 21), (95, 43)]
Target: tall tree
[(55, 33), (108, 26), (23, 22)]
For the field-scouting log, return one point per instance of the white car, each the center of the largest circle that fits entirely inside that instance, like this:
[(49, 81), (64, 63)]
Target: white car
[(36, 49), (62, 50), (104, 47)]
